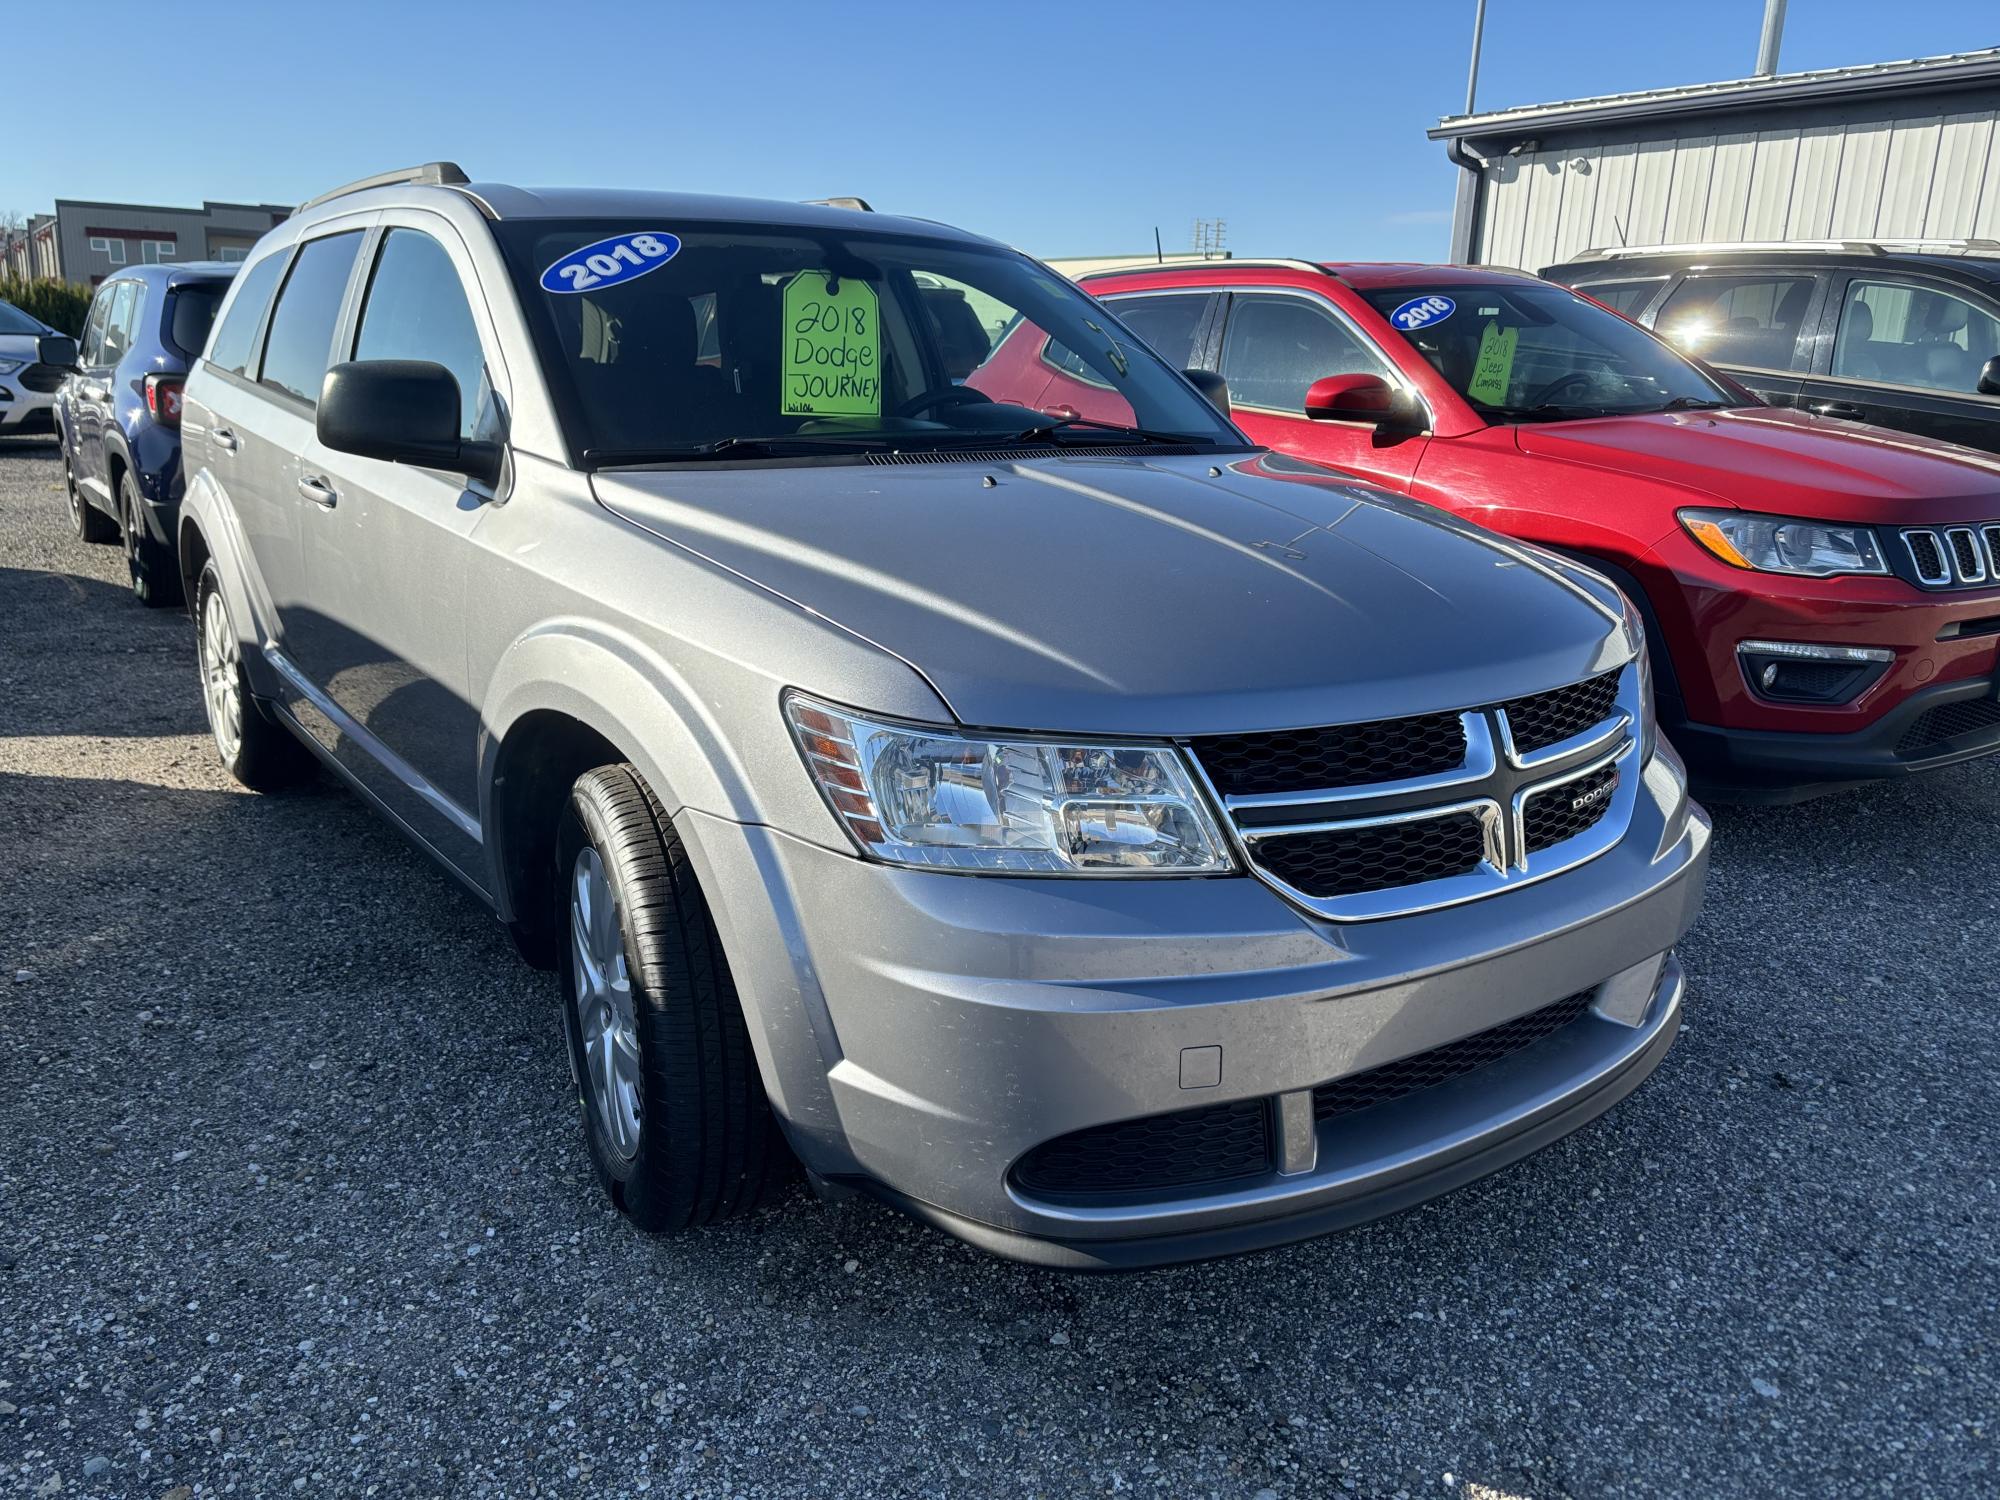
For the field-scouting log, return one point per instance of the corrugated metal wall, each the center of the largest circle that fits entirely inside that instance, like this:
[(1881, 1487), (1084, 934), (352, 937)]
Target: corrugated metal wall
[(1928, 175)]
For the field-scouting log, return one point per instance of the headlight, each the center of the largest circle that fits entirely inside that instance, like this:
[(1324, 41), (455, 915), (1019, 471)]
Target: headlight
[(1649, 721), (9, 366), (1782, 544), (912, 795)]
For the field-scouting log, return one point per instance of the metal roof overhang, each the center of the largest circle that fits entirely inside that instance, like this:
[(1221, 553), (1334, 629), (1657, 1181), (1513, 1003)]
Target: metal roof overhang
[(1953, 70)]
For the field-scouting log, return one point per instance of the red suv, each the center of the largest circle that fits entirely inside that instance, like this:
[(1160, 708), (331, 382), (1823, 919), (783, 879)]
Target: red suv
[(1823, 597)]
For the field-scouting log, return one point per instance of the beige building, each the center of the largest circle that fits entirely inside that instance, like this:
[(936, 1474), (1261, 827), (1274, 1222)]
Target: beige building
[(84, 241)]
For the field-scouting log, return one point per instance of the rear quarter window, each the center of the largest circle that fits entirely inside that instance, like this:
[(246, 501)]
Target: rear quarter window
[(190, 314)]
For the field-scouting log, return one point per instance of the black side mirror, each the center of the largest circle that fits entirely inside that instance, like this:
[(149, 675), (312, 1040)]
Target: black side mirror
[(1212, 386), (1989, 377), (56, 349), (404, 411)]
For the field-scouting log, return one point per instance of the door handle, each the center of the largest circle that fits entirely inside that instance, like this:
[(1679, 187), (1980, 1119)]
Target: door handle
[(225, 440), (1846, 410), (319, 492)]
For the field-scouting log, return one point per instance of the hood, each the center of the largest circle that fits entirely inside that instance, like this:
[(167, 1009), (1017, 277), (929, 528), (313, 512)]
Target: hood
[(1787, 462), (1143, 596)]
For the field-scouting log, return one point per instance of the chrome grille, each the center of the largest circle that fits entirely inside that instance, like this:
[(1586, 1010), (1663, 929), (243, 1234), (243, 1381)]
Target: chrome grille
[(1567, 808), (1339, 755), (1377, 856), (1967, 556), (1386, 817), (1544, 719), (1947, 557)]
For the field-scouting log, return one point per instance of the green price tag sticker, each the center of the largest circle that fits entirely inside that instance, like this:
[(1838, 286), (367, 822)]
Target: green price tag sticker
[(1494, 370), (833, 347)]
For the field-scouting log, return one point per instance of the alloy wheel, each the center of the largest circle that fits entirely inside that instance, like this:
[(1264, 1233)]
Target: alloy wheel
[(607, 1021), (221, 683)]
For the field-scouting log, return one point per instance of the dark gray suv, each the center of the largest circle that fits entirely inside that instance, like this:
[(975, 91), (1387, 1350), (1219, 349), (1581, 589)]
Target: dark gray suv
[(1106, 839)]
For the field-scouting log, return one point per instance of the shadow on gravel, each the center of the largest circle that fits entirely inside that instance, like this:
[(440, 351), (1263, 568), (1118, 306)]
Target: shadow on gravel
[(81, 656), (38, 446)]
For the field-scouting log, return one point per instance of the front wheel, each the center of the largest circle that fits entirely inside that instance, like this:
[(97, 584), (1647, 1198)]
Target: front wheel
[(674, 1112), (260, 754)]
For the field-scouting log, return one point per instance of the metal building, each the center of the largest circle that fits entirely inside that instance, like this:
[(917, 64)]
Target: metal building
[(1903, 150)]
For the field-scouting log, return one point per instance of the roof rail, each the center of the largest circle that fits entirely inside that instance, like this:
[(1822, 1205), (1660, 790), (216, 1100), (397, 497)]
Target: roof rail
[(431, 173), (859, 205), (1211, 262), (1851, 247)]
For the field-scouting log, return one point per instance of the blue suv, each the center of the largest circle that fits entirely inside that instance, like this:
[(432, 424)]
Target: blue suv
[(118, 413)]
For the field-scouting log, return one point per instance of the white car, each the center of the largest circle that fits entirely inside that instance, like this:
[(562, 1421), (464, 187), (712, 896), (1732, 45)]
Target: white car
[(27, 386)]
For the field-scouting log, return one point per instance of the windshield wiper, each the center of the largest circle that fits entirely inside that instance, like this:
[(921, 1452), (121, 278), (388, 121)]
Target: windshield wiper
[(1548, 412), (1050, 431), (1695, 403), (737, 447)]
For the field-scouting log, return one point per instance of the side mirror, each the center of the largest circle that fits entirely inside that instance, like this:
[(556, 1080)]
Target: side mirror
[(1989, 377), (404, 411), (58, 350), (1353, 398), (1212, 386)]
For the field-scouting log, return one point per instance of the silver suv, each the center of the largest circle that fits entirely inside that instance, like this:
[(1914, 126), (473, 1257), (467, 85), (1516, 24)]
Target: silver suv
[(1108, 840)]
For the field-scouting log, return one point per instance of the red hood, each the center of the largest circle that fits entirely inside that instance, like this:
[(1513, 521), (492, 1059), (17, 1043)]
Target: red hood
[(1787, 462)]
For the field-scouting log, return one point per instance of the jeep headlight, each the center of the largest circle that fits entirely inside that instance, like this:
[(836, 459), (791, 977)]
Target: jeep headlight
[(933, 797), (1785, 544)]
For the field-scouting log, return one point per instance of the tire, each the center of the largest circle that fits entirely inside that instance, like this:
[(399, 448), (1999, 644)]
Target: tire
[(88, 522), (683, 1135), (155, 580), (257, 752)]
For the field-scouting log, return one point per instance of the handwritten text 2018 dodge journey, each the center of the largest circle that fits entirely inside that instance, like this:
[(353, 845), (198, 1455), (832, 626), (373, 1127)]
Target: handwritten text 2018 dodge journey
[(1106, 839)]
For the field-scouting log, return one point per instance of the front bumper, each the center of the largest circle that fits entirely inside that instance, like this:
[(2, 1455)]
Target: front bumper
[(23, 410), (1936, 726), (921, 1032)]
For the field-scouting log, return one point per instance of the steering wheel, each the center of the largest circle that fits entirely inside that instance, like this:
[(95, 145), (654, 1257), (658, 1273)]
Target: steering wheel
[(1560, 383), (943, 396)]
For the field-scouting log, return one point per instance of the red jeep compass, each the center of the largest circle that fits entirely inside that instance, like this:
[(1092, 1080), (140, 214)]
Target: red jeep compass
[(1823, 597)]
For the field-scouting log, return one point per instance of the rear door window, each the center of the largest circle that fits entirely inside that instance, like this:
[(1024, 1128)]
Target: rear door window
[(119, 324), (238, 333), (300, 344), (1627, 297), (1751, 319), (1276, 347), (1903, 333), (417, 309), (1168, 323)]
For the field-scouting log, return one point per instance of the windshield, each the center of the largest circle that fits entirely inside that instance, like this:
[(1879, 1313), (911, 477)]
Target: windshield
[(687, 341), (13, 320), (1538, 353)]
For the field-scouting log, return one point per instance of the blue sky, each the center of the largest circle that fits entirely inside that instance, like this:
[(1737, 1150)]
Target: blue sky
[(1065, 129)]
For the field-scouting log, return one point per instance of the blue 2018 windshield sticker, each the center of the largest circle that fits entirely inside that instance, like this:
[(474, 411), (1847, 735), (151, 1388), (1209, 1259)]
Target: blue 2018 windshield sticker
[(1421, 312), (611, 261)]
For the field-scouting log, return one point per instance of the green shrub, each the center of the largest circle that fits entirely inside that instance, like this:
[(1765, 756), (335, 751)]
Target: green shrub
[(57, 303)]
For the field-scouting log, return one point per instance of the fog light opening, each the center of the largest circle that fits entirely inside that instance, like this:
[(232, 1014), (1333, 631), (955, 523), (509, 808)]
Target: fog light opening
[(1808, 672)]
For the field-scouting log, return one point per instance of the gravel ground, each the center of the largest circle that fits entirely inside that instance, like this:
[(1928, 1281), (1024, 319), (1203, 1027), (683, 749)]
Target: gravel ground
[(292, 1198)]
